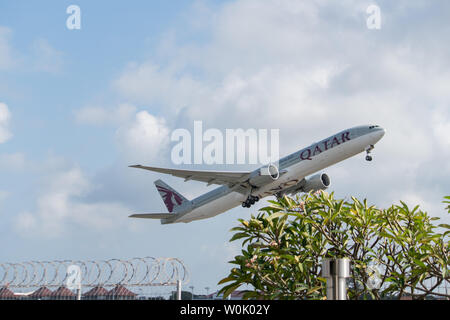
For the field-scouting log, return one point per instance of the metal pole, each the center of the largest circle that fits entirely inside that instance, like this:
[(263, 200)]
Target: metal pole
[(178, 289), (343, 271), (326, 273), (79, 291), (336, 271)]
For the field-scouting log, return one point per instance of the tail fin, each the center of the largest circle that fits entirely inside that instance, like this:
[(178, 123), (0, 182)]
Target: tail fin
[(173, 200)]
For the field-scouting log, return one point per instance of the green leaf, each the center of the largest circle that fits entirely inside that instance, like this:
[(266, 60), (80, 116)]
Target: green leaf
[(420, 263), (239, 235), (275, 215), (230, 289), (227, 279)]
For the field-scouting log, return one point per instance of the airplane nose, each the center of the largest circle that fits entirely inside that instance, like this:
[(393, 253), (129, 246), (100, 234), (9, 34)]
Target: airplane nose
[(380, 133)]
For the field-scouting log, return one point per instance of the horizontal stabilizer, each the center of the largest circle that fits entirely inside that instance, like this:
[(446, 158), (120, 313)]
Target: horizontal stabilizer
[(153, 215)]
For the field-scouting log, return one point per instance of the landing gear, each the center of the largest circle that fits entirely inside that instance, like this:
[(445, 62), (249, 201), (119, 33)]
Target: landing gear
[(251, 200), (368, 151)]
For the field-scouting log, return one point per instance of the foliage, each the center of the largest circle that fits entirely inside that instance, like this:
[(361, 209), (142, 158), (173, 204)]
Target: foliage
[(283, 247)]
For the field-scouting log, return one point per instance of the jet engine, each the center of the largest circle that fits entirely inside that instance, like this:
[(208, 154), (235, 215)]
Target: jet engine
[(316, 182), (319, 181), (264, 175)]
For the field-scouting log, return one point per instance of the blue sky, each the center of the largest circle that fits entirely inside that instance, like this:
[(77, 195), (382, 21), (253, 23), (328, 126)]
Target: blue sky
[(78, 106), (111, 35)]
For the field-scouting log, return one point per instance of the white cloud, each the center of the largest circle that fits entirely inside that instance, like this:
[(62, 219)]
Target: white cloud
[(40, 57), (441, 129), (143, 139), (5, 117), (3, 196), (12, 162), (60, 208), (140, 135), (311, 69), (100, 116), (46, 58), (148, 82), (428, 202)]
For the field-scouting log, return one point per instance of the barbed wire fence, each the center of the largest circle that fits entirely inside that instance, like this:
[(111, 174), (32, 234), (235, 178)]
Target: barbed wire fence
[(124, 277)]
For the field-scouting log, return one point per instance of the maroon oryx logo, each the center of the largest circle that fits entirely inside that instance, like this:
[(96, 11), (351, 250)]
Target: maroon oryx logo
[(167, 197)]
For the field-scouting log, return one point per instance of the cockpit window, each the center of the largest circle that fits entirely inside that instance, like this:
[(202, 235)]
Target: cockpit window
[(371, 127)]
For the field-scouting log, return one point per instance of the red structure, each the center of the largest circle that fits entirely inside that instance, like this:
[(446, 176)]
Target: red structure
[(119, 292), (96, 293), (62, 293), (43, 293), (6, 294)]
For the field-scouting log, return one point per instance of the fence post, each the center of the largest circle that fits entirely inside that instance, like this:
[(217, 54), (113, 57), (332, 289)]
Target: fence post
[(79, 291), (336, 271), (178, 289)]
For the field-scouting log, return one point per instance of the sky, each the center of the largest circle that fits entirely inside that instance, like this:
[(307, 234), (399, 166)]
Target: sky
[(78, 106)]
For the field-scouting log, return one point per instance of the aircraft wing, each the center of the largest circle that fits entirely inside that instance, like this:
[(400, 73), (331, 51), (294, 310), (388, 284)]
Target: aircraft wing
[(210, 177), (153, 215)]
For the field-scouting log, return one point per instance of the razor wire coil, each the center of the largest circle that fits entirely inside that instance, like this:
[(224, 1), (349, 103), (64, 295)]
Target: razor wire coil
[(148, 271)]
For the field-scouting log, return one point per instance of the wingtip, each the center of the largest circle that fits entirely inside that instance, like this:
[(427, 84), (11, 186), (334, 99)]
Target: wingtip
[(135, 166)]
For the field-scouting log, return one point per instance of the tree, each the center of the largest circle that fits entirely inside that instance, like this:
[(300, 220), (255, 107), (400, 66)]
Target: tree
[(283, 247)]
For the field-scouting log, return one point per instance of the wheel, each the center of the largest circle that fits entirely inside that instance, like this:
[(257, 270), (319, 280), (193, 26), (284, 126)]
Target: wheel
[(244, 204), (368, 158)]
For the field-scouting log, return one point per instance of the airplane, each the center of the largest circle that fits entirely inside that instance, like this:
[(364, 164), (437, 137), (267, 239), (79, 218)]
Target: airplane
[(291, 176)]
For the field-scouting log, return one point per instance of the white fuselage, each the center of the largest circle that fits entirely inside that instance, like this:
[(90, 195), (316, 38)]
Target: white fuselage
[(293, 175)]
